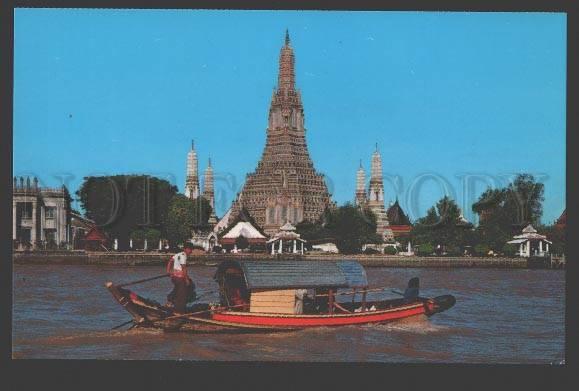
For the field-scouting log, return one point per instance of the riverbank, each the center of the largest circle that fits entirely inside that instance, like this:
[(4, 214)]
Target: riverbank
[(155, 259)]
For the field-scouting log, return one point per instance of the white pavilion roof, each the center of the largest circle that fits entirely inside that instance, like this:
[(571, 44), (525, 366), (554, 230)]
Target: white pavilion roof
[(243, 228), (529, 229), (287, 227), (528, 233)]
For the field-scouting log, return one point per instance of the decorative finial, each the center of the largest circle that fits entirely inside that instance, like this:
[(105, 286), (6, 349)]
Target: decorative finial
[(287, 38), (209, 161), (192, 144), (360, 163), (376, 147)]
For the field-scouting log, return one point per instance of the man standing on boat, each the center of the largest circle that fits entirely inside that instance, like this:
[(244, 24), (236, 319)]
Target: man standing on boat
[(183, 287)]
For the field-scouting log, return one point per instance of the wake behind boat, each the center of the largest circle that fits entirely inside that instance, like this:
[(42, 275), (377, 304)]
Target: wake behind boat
[(258, 296)]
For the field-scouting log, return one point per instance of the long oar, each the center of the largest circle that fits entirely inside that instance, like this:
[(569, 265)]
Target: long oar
[(199, 312), (144, 280), (122, 324)]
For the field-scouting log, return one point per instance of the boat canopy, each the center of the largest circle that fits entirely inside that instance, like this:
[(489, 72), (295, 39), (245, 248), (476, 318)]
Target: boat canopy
[(297, 274)]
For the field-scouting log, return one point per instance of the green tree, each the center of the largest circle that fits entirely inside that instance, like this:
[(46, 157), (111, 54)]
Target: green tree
[(180, 219), (313, 231), (352, 228), (526, 197), (390, 250), (121, 204), (442, 226), (425, 249), (201, 212), (504, 212), (152, 236), (509, 249)]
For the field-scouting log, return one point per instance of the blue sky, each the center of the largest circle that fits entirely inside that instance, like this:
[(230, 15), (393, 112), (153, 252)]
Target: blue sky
[(455, 101)]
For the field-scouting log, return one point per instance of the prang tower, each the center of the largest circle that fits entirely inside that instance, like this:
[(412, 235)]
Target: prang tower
[(360, 186), (192, 179), (376, 197), (208, 191), (285, 186)]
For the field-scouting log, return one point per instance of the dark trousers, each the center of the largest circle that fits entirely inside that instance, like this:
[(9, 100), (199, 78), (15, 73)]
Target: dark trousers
[(181, 293)]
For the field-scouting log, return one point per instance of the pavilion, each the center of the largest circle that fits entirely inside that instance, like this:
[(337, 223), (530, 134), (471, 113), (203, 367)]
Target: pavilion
[(95, 240), (245, 229), (531, 243), (286, 240)]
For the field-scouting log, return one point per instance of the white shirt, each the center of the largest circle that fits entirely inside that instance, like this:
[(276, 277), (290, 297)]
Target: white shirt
[(179, 260)]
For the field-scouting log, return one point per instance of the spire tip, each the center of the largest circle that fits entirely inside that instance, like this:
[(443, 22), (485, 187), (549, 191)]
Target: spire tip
[(287, 37)]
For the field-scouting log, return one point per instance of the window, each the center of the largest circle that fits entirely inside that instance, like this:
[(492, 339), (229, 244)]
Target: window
[(49, 212), (271, 215), (50, 235), (27, 210), (284, 214)]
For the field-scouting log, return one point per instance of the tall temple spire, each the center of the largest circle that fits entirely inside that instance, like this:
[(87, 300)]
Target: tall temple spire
[(376, 197), (209, 192), (285, 185), (286, 78), (376, 167), (192, 179), (360, 186)]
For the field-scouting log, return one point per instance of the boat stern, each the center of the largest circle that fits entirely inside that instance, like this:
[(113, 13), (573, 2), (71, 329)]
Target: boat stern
[(439, 304)]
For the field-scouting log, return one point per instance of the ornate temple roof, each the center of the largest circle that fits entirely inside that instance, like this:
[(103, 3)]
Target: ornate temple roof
[(396, 215), (562, 220)]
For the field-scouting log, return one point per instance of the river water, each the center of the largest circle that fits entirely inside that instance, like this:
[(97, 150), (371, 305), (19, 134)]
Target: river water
[(501, 316)]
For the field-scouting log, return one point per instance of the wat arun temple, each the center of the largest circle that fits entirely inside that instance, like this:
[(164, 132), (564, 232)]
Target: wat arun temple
[(285, 188)]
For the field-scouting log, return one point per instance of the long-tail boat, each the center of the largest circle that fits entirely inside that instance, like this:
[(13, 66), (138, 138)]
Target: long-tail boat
[(283, 295)]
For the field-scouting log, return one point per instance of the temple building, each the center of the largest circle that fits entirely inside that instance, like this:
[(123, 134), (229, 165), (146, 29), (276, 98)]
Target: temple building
[(561, 222), (285, 186), (192, 178), (40, 216), (399, 222), (374, 198)]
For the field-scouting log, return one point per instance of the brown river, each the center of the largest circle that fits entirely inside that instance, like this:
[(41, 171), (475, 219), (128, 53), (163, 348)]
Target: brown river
[(501, 316)]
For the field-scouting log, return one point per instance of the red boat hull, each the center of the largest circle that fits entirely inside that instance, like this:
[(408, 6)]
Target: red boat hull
[(304, 321)]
